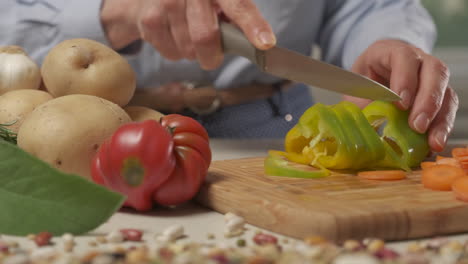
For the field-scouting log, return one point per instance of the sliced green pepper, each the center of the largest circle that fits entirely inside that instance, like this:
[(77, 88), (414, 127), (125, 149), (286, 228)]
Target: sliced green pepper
[(392, 125), (344, 137), (320, 137), (276, 165), (372, 150)]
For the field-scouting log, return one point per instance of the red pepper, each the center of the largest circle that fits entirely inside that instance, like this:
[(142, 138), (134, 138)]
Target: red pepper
[(154, 162)]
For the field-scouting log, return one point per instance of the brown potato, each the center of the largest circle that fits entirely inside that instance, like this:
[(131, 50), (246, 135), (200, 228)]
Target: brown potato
[(66, 132), (15, 105), (83, 66), (141, 113)]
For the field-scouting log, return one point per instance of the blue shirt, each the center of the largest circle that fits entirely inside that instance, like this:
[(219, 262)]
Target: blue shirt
[(342, 29)]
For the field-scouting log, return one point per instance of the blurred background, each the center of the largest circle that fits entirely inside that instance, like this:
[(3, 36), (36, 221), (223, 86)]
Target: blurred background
[(451, 18)]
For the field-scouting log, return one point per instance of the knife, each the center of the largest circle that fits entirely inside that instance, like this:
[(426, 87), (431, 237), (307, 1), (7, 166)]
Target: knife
[(294, 66)]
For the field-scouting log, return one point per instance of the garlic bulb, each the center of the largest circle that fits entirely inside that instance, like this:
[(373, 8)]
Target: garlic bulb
[(17, 70)]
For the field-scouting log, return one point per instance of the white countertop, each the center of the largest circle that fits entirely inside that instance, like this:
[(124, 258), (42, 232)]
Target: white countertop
[(197, 220)]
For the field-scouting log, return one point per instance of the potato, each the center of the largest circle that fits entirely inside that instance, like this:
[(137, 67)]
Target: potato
[(141, 113), (66, 132), (83, 66), (15, 105)]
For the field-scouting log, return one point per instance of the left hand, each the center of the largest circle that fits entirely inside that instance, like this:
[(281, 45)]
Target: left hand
[(421, 80)]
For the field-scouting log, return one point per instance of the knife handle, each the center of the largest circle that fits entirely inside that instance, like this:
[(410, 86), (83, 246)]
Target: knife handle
[(235, 42)]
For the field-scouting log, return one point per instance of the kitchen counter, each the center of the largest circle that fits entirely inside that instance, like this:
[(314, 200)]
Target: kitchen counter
[(198, 221)]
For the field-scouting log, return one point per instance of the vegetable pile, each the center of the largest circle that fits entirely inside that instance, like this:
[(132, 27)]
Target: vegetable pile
[(70, 146), (342, 136)]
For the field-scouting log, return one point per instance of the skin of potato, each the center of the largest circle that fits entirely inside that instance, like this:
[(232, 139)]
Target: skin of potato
[(17, 104), (66, 132), (84, 66)]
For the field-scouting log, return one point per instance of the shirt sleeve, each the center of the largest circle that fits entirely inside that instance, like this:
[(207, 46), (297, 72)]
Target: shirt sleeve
[(350, 27), (38, 25)]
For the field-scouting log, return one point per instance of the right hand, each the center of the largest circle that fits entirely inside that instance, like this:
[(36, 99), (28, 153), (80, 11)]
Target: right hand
[(183, 29)]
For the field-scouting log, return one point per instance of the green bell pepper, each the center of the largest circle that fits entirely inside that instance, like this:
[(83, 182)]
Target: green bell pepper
[(344, 137), (405, 147), (276, 165)]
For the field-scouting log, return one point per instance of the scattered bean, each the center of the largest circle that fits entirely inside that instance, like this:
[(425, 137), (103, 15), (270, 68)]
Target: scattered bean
[(43, 239), (132, 234), (262, 239), (115, 237)]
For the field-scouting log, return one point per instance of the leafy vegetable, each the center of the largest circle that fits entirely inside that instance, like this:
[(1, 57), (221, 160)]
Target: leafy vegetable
[(35, 197)]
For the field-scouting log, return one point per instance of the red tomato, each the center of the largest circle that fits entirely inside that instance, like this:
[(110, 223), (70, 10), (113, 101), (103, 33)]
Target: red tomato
[(193, 157), (152, 162)]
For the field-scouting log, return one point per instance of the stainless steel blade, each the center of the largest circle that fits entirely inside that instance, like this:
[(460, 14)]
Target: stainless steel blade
[(297, 67), (293, 66)]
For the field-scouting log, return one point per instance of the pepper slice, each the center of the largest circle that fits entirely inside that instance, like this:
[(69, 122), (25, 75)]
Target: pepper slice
[(405, 147), (373, 150), (319, 136), (276, 165)]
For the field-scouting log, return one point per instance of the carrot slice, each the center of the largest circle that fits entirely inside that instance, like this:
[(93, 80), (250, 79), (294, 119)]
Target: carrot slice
[(460, 189), (383, 175), (460, 153), (440, 177), (427, 164), (449, 161)]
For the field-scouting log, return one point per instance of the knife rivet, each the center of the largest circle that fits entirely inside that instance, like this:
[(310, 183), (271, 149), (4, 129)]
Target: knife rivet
[(288, 117)]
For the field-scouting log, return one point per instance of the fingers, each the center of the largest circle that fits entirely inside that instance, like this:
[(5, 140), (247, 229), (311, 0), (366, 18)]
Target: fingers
[(404, 79), (204, 32), (154, 28), (433, 81), (176, 14), (444, 120), (245, 14)]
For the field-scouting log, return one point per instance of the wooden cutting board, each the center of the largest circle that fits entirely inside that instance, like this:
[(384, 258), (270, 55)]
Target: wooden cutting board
[(339, 207)]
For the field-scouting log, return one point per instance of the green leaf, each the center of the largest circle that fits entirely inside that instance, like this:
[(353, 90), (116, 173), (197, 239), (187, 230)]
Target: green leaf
[(35, 197)]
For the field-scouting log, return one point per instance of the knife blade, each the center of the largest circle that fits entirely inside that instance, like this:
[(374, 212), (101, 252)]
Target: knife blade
[(294, 66)]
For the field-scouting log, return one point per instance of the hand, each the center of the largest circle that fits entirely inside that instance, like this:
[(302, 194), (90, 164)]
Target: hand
[(421, 80), (181, 29)]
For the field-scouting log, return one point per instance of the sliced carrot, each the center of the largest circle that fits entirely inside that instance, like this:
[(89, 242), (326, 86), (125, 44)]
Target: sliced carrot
[(460, 152), (441, 176), (427, 164), (449, 161), (460, 189), (383, 175)]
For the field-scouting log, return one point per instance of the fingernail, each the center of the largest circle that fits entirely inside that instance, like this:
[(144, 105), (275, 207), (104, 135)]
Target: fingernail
[(421, 123), (266, 39), (405, 99), (441, 138)]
